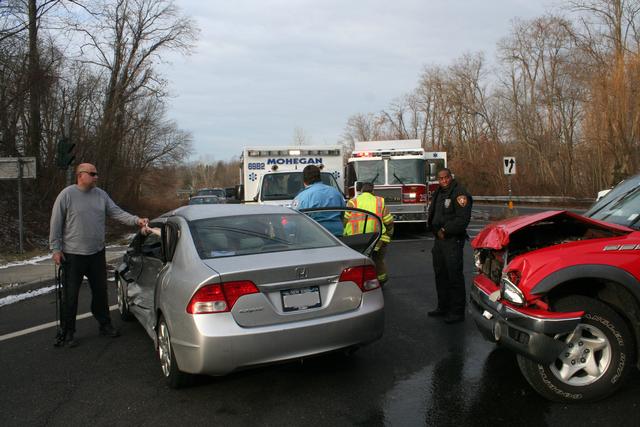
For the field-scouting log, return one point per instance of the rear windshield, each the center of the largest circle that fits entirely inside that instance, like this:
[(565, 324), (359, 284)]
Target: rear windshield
[(204, 200), (252, 234), (219, 192)]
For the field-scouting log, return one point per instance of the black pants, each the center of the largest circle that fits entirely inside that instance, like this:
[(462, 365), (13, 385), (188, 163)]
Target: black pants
[(75, 268), (447, 265)]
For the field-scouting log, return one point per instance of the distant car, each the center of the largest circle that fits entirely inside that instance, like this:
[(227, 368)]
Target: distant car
[(562, 290), (234, 286), (205, 200), (218, 192)]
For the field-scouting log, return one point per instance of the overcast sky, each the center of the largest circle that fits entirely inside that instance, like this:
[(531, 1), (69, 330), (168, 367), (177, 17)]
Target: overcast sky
[(263, 68)]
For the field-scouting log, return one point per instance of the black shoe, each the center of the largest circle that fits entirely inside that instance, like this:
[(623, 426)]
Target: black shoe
[(454, 318), (109, 331), (69, 341), (438, 312)]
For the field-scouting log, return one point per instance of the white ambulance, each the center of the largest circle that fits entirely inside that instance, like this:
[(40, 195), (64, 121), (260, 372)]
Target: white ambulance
[(273, 174)]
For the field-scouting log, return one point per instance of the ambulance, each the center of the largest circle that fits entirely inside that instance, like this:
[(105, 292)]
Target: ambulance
[(273, 174)]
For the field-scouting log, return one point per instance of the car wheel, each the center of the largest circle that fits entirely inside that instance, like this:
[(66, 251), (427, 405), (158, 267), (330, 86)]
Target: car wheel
[(174, 377), (595, 361), (123, 305)]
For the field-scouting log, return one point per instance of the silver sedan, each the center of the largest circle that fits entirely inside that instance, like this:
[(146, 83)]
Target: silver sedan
[(221, 288)]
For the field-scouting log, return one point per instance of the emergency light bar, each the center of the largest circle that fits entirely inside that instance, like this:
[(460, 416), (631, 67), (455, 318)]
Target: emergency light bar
[(280, 153), (387, 153)]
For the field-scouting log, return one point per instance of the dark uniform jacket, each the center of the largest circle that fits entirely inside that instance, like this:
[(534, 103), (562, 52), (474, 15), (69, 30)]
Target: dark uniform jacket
[(450, 209)]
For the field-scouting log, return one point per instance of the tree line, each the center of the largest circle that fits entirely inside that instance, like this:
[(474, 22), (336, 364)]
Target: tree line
[(87, 70), (563, 99)]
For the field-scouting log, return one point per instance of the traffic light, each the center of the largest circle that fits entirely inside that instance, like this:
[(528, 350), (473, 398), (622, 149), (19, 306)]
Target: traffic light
[(65, 154)]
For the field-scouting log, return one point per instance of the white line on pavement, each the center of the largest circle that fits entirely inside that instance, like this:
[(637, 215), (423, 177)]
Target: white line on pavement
[(44, 326)]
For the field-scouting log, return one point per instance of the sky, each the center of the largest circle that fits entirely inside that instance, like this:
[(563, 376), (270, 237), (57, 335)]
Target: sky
[(263, 70)]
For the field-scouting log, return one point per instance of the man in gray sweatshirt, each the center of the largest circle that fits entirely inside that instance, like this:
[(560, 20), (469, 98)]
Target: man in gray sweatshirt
[(77, 239)]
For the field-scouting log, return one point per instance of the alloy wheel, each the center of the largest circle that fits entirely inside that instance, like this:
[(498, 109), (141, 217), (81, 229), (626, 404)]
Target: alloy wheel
[(586, 357), (120, 295), (164, 349)]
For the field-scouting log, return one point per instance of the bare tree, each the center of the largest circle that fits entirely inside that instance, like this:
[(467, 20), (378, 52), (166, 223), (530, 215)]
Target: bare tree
[(124, 40)]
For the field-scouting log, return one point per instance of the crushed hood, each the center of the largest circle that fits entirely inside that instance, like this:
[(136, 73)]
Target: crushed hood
[(496, 235)]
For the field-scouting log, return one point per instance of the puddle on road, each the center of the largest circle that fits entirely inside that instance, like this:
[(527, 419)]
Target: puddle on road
[(441, 392)]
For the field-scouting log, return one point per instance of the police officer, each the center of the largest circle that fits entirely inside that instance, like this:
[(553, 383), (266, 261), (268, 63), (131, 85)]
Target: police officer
[(355, 224), (318, 195), (449, 216)]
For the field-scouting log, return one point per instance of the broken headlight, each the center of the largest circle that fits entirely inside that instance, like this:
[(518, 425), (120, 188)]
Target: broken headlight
[(509, 288)]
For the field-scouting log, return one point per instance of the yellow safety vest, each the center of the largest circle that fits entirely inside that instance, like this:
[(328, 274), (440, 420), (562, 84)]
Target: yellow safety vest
[(356, 220)]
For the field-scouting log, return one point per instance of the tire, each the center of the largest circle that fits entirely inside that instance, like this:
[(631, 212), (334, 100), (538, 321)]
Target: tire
[(175, 377), (123, 305), (595, 362)]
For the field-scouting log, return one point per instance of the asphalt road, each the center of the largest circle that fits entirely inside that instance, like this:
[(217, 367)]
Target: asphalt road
[(422, 372)]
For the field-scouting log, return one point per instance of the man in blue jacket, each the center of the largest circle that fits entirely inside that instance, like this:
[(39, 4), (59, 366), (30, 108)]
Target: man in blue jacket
[(318, 195)]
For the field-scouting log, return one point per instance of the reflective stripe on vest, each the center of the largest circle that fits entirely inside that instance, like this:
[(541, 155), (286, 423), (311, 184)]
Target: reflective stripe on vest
[(356, 220)]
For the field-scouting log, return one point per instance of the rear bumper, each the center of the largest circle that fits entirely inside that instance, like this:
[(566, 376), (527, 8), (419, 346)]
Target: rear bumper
[(530, 336), (225, 346)]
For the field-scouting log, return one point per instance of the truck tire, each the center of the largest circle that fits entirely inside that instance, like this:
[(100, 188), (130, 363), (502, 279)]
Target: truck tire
[(595, 362)]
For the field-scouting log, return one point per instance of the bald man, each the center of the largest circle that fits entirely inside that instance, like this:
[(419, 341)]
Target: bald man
[(77, 240)]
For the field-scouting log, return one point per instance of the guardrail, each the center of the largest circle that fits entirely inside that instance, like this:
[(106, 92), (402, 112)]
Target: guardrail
[(534, 199)]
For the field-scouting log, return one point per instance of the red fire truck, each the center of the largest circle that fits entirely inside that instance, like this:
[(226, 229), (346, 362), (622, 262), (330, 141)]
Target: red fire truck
[(402, 172)]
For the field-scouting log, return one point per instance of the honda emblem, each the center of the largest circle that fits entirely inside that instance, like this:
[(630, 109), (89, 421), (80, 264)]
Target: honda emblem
[(302, 272)]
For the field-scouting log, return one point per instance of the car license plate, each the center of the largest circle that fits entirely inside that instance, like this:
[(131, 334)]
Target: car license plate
[(300, 298)]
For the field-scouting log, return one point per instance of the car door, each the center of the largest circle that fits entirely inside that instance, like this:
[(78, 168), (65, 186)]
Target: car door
[(152, 263), (363, 242)]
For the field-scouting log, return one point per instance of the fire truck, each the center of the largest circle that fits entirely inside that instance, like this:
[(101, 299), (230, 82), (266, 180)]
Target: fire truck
[(401, 171)]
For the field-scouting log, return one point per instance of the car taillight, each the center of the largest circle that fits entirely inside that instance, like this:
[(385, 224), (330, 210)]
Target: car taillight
[(219, 298), (364, 276), (414, 194)]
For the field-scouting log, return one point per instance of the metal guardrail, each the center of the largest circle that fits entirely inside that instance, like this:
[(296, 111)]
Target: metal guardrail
[(534, 199)]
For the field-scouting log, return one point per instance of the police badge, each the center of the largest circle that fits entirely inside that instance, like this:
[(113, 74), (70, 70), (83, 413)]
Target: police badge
[(462, 200), (447, 203)]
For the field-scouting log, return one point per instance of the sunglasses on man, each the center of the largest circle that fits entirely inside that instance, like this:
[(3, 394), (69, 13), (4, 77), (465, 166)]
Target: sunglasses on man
[(89, 173)]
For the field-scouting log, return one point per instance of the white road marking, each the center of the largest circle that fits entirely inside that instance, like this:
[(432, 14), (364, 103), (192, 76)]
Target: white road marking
[(45, 326)]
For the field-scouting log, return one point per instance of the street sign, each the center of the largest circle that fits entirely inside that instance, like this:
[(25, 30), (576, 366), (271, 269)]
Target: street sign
[(509, 164), (18, 168), (10, 169)]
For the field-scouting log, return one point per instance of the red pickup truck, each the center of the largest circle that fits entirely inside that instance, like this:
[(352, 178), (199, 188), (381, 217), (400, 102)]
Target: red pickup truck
[(562, 291)]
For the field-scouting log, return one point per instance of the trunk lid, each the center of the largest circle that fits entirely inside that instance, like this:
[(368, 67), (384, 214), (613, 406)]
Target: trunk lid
[(293, 286)]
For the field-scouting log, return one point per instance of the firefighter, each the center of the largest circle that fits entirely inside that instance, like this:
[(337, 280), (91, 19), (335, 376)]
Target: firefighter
[(355, 224), (449, 216)]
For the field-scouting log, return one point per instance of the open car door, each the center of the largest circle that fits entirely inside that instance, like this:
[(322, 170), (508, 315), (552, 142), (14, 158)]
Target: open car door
[(363, 242)]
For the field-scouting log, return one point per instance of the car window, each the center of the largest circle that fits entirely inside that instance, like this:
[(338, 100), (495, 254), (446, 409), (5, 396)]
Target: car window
[(251, 234), (623, 210), (619, 191), (204, 200), (218, 192)]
